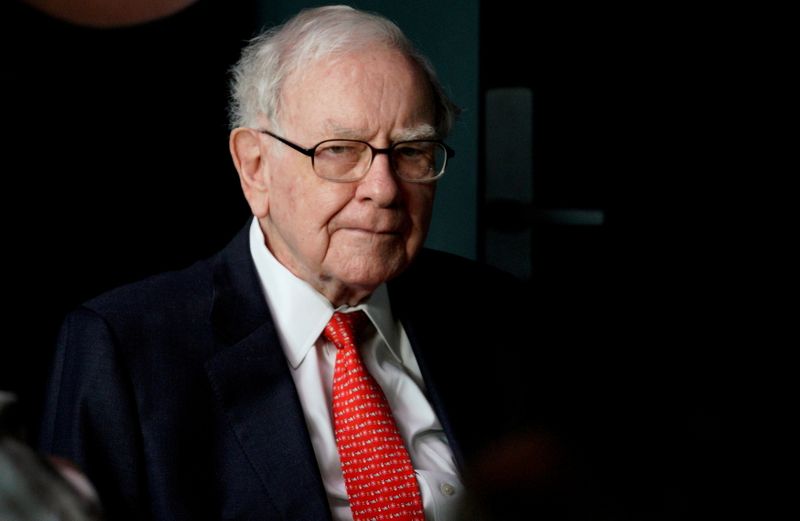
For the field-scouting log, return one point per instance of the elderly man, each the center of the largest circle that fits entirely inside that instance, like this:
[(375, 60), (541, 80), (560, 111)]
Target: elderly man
[(323, 365)]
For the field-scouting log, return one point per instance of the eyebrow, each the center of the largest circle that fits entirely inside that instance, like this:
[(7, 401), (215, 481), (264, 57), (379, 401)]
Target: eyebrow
[(423, 131)]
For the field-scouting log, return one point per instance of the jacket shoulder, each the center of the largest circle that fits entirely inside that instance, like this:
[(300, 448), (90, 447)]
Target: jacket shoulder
[(163, 295), (450, 276)]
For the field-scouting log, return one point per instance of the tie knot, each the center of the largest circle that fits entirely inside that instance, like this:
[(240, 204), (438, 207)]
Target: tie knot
[(343, 328)]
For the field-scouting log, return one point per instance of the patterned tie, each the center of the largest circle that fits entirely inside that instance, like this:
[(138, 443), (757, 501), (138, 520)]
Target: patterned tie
[(378, 474)]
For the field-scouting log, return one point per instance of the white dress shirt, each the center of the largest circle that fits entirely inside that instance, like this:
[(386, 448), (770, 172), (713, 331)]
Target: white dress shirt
[(300, 314)]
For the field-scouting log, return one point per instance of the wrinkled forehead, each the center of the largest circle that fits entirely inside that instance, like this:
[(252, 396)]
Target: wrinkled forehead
[(347, 91), (421, 130)]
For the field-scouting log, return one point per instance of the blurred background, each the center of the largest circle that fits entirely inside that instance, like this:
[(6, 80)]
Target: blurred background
[(581, 152)]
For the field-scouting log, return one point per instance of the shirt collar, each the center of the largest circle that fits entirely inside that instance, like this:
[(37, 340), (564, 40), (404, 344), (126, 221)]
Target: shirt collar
[(300, 312), (379, 310)]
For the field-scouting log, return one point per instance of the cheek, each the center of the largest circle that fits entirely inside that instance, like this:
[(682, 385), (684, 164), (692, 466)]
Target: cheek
[(309, 208), (323, 203)]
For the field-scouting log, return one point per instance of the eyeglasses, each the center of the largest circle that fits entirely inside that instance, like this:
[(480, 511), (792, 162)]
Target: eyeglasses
[(348, 160)]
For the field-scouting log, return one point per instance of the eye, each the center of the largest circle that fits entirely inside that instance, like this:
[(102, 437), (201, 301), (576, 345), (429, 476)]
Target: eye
[(414, 152), (339, 150), (336, 150)]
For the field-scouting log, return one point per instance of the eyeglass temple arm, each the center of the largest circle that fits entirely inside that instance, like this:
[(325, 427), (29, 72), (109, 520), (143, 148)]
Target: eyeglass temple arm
[(305, 151)]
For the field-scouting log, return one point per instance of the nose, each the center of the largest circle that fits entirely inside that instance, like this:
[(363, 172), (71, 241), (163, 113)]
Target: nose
[(380, 185)]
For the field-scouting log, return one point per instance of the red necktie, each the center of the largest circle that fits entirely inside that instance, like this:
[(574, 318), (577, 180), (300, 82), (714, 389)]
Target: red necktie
[(378, 474)]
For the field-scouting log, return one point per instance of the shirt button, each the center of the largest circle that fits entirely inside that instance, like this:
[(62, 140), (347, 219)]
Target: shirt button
[(447, 489)]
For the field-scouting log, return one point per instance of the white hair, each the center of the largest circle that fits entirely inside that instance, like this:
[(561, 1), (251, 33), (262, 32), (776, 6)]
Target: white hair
[(271, 57)]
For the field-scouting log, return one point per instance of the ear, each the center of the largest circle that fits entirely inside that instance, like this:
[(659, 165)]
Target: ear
[(250, 161)]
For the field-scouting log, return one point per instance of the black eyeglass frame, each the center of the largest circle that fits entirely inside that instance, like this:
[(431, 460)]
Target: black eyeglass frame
[(311, 152)]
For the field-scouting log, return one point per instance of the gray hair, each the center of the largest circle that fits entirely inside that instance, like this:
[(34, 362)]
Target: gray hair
[(271, 57)]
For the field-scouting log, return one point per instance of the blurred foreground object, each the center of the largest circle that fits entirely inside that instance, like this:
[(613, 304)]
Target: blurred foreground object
[(33, 488), (109, 13)]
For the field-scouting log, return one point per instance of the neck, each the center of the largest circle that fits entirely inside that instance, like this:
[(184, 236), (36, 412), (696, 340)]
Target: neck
[(339, 294)]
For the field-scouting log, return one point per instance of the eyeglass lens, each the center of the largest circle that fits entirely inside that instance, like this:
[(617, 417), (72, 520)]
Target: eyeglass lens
[(414, 160)]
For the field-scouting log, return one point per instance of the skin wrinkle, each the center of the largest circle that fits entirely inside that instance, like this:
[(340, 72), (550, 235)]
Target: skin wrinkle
[(336, 131), (345, 239)]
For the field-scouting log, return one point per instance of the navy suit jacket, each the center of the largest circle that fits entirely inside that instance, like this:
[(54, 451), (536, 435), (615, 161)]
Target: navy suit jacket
[(174, 395)]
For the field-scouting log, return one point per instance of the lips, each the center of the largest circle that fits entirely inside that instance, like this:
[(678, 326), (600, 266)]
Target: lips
[(394, 225), (388, 231)]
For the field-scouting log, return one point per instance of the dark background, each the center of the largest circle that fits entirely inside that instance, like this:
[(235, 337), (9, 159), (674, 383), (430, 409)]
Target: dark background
[(115, 163), (630, 113), (115, 167)]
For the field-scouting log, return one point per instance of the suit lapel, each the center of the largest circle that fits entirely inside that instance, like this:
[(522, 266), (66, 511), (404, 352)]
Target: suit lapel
[(424, 346), (255, 390), (439, 317), (425, 330)]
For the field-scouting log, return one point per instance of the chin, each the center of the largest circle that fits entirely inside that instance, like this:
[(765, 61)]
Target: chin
[(371, 272)]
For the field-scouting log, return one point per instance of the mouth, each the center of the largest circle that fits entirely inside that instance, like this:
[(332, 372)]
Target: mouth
[(369, 231)]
